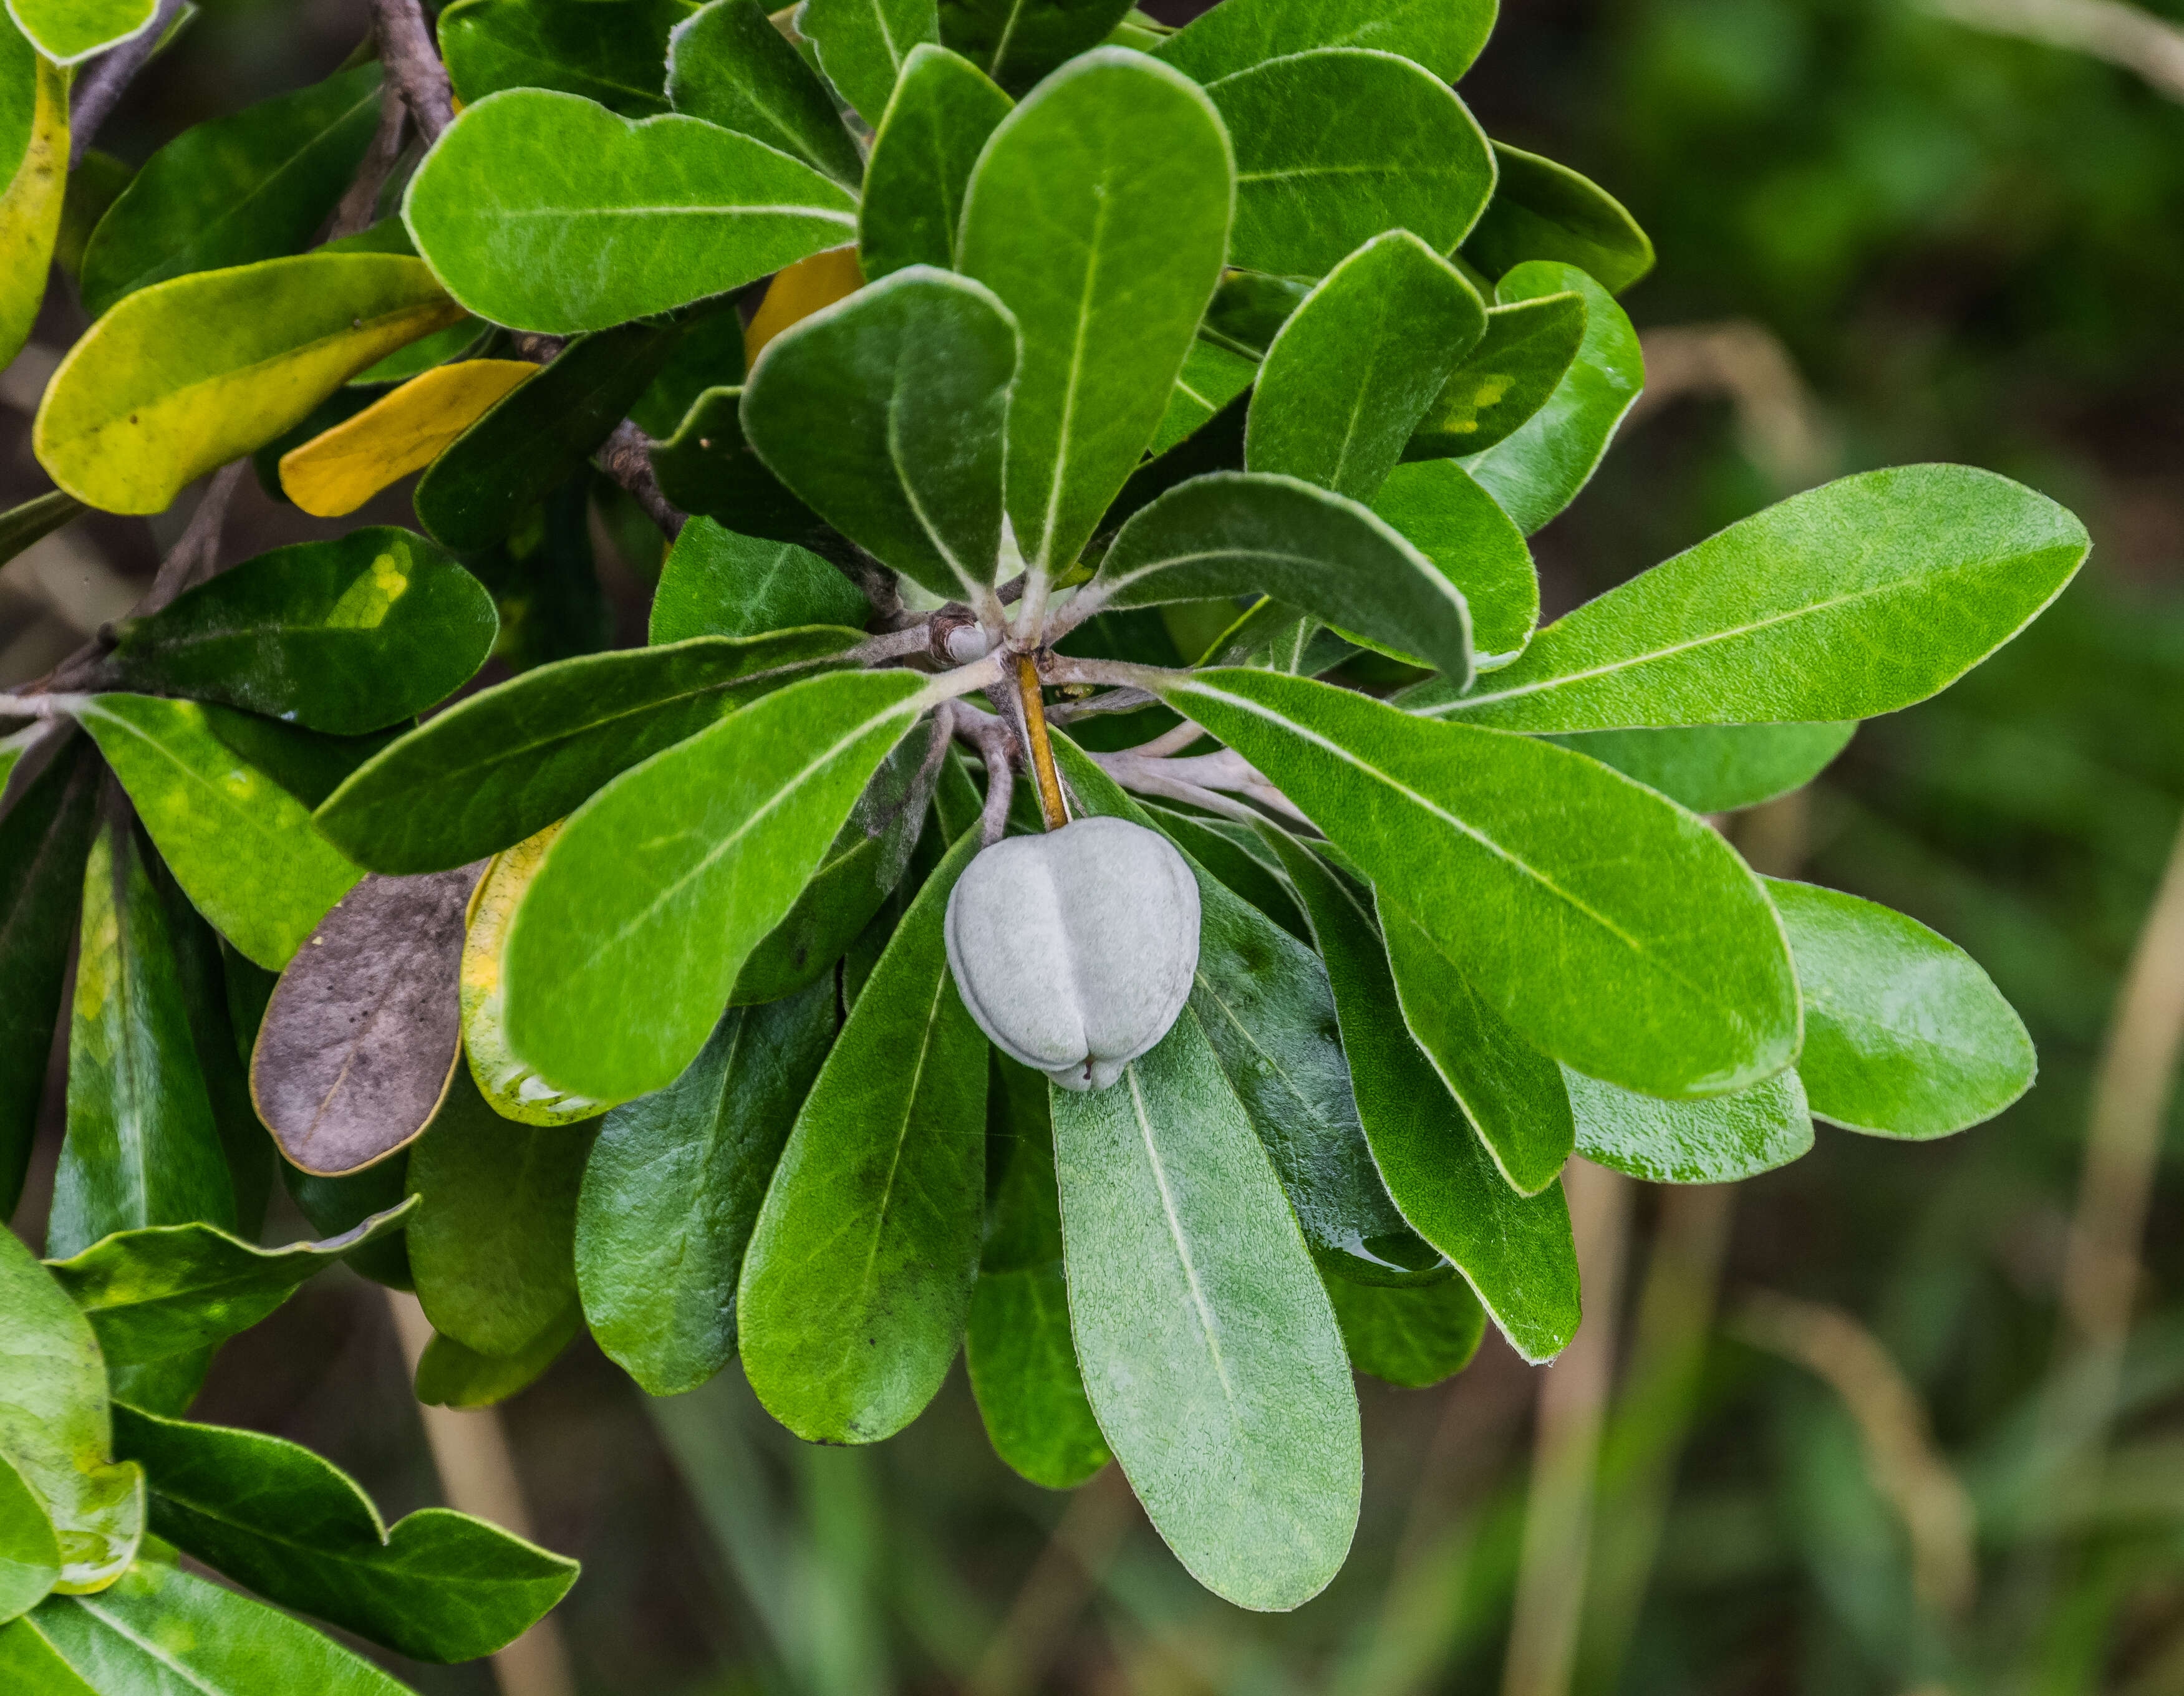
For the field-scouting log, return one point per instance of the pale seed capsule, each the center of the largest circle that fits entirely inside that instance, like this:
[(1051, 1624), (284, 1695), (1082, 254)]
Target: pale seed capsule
[(1075, 950)]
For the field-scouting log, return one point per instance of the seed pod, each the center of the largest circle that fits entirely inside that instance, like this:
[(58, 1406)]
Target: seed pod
[(1075, 951)]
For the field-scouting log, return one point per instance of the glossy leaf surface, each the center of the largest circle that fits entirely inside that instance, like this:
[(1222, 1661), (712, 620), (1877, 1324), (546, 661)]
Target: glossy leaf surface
[(358, 1043), (1516, 1252), (1355, 367), (1511, 372), (34, 189), (142, 1147), (887, 415), (728, 64), (34, 520), (241, 845), (1904, 1035), (1543, 210), (858, 1281), (504, 764), (1855, 598), (1236, 35), (1018, 41), (337, 471), (490, 1244), (671, 875), (436, 1584), (614, 54), (862, 44), (716, 582), (348, 635), (1714, 1142), (54, 1425), (451, 1375), (1099, 213), (1661, 963), (1334, 145), (29, 1547), (1234, 533), (1538, 468), (923, 150), (542, 211), (1409, 1337), (69, 31), (1717, 768), (186, 375), (252, 186), (673, 1187), (1210, 1352), (1472, 543)]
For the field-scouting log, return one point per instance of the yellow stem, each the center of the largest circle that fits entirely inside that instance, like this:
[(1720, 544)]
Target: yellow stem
[(1050, 805)]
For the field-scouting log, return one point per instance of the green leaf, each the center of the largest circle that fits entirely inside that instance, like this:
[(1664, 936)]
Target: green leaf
[(857, 1284), (1236, 532), (1510, 1091), (542, 211), (1511, 372), (1249, 310), (500, 765), (1542, 210), (1714, 1142), (240, 844), (95, 178), (1099, 213), (862, 44), (709, 353), (348, 635), (34, 156), (1210, 1352), (1537, 469), (923, 151), (55, 1427), (252, 186), (1516, 1252), (490, 1244), (1444, 35), (162, 1629), (671, 875), (185, 376), (1022, 1362), (438, 1585), (887, 414), (1904, 1035), (727, 65), (1336, 145), (532, 439), (1660, 962), (1211, 378), (1262, 999), (673, 1190), (614, 54), (45, 835), (707, 467), (69, 31), (30, 1547), (716, 582), (1017, 42), (34, 520), (1411, 1338), (172, 1289), (1231, 852), (358, 1043), (1858, 597), (1471, 541), (141, 1148), (336, 1205), (450, 1375), (1717, 768), (1355, 367)]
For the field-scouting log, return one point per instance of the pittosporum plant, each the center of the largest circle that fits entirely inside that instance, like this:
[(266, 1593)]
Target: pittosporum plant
[(1102, 646)]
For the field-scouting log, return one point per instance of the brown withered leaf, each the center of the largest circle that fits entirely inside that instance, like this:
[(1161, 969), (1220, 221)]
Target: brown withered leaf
[(364, 1027)]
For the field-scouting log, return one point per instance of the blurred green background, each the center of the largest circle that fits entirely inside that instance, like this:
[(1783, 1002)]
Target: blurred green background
[(1864, 1426)]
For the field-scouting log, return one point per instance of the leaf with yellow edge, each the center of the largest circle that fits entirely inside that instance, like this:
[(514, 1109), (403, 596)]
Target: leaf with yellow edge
[(185, 376), (797, 292), (31, 204), (514, 1090), (336, 473)]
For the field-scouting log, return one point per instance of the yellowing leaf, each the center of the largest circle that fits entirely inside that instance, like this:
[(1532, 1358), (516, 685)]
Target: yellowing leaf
[(337, 472), (31, 204), (185, 376), (799, 290)]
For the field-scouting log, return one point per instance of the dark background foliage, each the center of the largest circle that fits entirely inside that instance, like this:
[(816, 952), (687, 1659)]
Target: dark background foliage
[(1886, 236)]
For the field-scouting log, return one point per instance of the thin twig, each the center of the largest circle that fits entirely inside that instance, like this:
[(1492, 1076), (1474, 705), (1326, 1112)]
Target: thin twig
[(99, 87), (626, 457), (1108, 701), (413, 63), (194, 557), (1168, 743), (1032, 728), (996, 746), (360, 205)]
